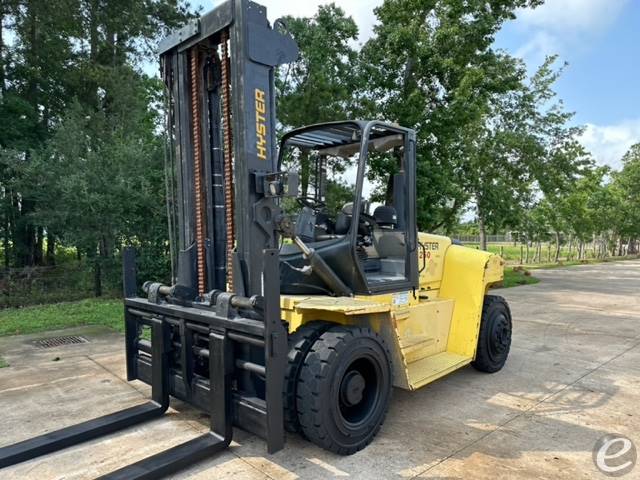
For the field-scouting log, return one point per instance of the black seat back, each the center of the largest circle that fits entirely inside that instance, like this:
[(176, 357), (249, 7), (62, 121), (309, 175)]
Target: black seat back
[(343, 223)]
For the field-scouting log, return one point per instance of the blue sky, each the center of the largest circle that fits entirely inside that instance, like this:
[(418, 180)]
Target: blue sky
[(600, 39)]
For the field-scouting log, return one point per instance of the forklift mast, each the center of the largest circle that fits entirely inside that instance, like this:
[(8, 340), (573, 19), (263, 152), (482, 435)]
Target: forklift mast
[(214, 337), (219, 76)]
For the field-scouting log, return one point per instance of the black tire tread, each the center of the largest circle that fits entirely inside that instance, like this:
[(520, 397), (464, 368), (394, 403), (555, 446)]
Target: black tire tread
[(482, 361), (315, 369), (300, 342)]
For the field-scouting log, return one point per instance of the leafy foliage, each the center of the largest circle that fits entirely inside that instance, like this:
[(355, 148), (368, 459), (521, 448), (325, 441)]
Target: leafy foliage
[(430, 66), (319, 86), (81, 163)]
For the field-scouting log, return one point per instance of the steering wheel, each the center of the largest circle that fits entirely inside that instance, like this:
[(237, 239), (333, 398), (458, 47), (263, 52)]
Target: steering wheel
[(311, 202)]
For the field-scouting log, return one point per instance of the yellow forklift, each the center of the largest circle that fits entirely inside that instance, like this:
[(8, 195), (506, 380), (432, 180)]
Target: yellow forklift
[(301, 290)]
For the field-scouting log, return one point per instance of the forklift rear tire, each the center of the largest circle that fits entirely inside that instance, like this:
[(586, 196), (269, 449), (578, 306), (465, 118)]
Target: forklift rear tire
[(300, 342), (494, 340), (344, 389)]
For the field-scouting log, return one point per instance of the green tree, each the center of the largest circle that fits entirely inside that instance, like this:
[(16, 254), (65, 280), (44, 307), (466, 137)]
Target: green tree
[(319, 86), (105, 182), (581, 209), (81, 161), (521, 145), (626, 186), (34, 87), (429, 67)]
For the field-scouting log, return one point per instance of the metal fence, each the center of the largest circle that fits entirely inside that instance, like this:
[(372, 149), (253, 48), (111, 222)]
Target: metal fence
[(508, 238)]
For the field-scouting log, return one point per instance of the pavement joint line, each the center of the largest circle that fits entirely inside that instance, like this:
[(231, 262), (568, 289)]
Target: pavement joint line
[(526, 411), (35, 385), (255, 467), (574, 329), (597, 309), (622, 313)]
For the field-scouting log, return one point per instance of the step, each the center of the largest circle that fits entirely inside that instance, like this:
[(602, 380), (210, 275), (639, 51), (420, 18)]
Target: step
[(428, 369)]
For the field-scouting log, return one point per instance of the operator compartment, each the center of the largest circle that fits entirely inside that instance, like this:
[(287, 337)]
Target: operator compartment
[(353, 209)]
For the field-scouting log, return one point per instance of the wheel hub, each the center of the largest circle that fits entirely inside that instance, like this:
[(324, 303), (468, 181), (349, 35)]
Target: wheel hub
[(352, 388), (500, 335)]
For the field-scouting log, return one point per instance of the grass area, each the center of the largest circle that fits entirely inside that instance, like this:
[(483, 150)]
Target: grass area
[(521, 275), (588, 261), (3, 363), (515, 276), (62, 315)]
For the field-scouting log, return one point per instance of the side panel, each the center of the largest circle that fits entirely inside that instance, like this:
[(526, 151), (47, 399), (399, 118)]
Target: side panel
[(423, 329), (419, 333), (464, 282)]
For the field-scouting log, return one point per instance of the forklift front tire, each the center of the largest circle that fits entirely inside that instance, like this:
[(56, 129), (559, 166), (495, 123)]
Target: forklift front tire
[(300, 342), (494, 340), (344, 389)]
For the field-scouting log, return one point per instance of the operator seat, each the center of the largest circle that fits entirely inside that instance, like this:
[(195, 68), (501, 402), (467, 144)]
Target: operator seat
[(386, 217), (390, 244)]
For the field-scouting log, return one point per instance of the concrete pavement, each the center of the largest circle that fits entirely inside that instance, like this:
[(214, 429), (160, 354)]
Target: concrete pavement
[(572, 377)]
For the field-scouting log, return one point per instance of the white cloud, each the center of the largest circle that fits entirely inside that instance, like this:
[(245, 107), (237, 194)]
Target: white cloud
[(540, 45), (609, 143), (566, 16), (564, 27)]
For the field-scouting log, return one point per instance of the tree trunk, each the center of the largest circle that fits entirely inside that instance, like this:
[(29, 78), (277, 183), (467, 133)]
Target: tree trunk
[(482, 228), (97, 277), (557, 256), (24, 239), (7, 253), (51, 249), (526, 260), (5, 239), (93, 31), (2, 86), (38, 247), (98, 258), (631, 248), (570, 247)]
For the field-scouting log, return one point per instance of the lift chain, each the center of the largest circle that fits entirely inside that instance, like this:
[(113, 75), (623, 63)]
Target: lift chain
[(197, 169), (228, 156)]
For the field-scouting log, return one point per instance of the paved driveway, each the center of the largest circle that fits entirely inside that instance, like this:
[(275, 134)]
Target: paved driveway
[(572, 377)]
